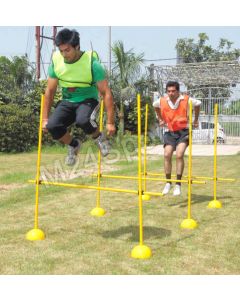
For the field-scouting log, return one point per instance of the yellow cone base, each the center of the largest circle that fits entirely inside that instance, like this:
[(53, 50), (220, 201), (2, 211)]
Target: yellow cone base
[(97, 212), (188, 224), (141, 251), (146, 197), (214, 204), (35, 235)]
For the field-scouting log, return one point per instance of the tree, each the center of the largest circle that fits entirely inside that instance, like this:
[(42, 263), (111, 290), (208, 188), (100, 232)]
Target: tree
[(191, 51), (126, 71), (16, 79)]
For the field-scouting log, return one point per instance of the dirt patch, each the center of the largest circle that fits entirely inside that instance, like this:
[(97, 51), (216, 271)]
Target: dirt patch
[(64, 175), (9, 187), (200, 150)]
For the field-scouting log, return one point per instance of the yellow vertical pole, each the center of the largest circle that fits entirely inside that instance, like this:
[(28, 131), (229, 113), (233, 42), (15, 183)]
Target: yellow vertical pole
[(140, 251), (145, 197), (215, 203), (38, 163), (37, 234), (99, 153), (189, 223), (215, 153), (190, 162), (140, 172), (98, 211)]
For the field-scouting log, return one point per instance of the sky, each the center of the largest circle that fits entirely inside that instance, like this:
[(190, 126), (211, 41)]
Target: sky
[(156, 42)]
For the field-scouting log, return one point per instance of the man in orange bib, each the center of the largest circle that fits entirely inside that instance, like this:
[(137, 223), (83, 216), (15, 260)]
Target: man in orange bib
[(172, 112)]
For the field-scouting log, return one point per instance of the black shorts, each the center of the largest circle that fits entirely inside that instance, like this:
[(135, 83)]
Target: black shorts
[(83, 114), (174, 138)]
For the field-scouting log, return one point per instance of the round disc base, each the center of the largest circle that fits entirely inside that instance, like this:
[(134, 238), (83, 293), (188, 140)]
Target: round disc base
[(35, 235), (188, 224), (97, 212), (214, 204), (141, 251)]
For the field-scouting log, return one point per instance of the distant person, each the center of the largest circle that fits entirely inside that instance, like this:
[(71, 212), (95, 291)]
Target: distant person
[(172, 112), (82, 78)]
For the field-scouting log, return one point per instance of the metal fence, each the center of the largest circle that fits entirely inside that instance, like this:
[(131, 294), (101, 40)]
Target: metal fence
[(228, 130)]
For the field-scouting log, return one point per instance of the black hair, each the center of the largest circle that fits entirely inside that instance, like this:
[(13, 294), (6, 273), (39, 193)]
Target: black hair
[(67, 36), (173, 83)]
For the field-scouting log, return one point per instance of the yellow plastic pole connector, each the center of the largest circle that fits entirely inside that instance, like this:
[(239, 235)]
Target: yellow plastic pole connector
[(189, 223), (215, 203), (98, 211), (37, 234), (140, 251), (146, 197)]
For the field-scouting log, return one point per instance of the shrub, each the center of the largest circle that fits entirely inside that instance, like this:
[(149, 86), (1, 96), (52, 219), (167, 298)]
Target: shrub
[(18, 128)]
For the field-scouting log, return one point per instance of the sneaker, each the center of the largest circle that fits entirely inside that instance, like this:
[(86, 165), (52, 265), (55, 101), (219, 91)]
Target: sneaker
[(177, 190), (72, 154), (103, 144), (167, 188)]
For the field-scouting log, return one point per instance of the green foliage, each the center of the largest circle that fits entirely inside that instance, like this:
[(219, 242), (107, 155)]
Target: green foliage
[(18, 129), (33, 99), (191, 51), (131, 118), (16, 79), (126, 72)]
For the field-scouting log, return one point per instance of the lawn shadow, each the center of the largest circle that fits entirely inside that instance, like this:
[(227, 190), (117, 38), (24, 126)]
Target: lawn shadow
[(131, 233), (196, 199)]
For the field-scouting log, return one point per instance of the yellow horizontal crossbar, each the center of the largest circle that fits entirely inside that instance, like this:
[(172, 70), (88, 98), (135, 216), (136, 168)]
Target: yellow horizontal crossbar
[(151, 179), (90, 187), (197, 177)]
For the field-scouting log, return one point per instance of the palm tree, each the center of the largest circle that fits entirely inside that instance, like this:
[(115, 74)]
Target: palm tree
[(126, 71)]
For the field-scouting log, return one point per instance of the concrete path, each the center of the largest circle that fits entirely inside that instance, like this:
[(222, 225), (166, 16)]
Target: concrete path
[(200, 150)]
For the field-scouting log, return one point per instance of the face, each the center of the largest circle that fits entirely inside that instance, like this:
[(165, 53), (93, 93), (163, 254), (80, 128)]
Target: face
[(69, 52), (172, 92)]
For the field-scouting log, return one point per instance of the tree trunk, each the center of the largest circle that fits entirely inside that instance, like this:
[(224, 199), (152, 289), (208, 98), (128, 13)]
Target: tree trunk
[(121, 118)]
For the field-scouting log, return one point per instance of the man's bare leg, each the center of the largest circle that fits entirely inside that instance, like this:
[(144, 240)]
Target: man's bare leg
[(66, 139), (180, 150), (168, 152)]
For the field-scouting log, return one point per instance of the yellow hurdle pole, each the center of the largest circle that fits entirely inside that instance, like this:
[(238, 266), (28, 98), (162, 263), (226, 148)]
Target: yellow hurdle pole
[(151, 179), (99, 155), (197, 177), (81, 186), (38, 163), (140, 173), (92, 187), (145, 149), (215, 153), (190, 161)]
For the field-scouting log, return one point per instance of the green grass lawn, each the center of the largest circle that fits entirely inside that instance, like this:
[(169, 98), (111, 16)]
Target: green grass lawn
[(77, 243)]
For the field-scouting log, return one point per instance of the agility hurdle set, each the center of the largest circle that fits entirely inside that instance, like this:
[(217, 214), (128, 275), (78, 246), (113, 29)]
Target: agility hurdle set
[(141, 250)]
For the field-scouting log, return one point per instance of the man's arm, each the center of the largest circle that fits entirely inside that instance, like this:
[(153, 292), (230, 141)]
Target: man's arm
[(196, 104), (196, 115), (106, 93), (156, 105), (48, 100)]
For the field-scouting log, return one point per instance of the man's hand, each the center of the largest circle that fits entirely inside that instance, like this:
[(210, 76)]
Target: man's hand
[(110, 129), (162, 123), (195, 123), (44, 124)]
